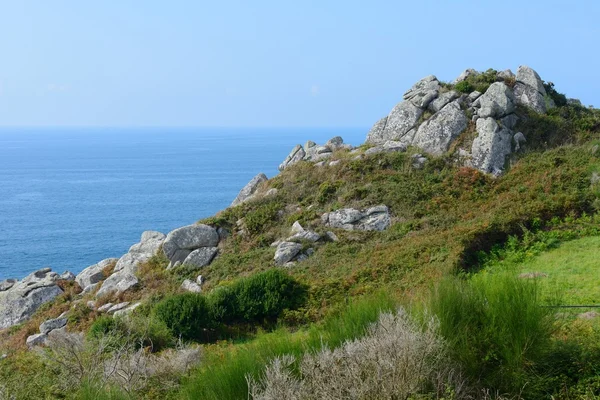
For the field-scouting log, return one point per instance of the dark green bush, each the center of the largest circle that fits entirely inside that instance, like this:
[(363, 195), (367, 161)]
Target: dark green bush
[(105, 325), (464, 87), (261, 217), (559, 99), (187, 315), (260, 297)]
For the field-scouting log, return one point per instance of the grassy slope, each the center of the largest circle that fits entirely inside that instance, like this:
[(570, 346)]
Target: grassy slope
[(573, 270)]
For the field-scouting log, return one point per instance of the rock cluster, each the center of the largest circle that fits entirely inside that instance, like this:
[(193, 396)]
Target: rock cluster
[(290, 250), (372, 219), (49, 328), (191, 245), (314, 152), (20, 299), (432, 117)]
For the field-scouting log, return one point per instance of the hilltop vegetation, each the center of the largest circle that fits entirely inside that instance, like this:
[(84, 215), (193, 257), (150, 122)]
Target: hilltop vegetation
[(443, 278)]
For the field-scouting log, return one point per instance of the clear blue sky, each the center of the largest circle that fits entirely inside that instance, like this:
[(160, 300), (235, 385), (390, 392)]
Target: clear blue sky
[(271, 63)]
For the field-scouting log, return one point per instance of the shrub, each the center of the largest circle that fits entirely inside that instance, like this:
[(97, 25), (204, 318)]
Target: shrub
[(397, 359), (260, 297), (105, 325), (464, 87), (187, 315), (258, 219)]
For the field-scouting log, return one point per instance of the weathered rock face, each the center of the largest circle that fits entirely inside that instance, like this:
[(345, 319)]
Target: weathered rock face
[(7, 284), (190, 238), (141, 252), (400, 124), (296, 155), (529, 89), (372, 219), (94, 273), (313, 152), (201, 257), (123, 277), (491, 146), (388, 147), (247, 192), (52, 324), (497, 102), (23, 298), (435, 135), (407, 124)]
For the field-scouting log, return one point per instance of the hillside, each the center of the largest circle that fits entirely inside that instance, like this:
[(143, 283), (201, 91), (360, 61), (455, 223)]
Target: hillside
[(462, 188)]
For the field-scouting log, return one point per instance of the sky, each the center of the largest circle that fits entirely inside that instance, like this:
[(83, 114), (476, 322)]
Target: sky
[(271, 63)]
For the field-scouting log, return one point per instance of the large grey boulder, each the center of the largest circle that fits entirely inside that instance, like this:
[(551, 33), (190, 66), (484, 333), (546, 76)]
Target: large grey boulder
[(529, 89), (248, 191), (94, 273), (497, 102), (372, 219), (39, 339), (389, 146), (296, 155), (201, 257), (529, 77), (117, 283), (491, 146), (141, 252), (528, 96), (190, 237), (23, 299), (286, 251), (437, 133)]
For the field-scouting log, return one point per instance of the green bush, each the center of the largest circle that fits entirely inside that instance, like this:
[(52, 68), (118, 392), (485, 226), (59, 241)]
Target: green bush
[(186, 315), (262, 217), (105, 325), (260, 297), (464, 87)]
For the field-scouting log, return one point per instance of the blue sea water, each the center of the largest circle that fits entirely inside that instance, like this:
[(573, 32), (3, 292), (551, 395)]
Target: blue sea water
[(72, 197)]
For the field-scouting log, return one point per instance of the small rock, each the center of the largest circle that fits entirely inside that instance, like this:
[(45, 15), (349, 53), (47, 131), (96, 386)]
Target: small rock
[(52, 324), (201, 257), (117, 307), (191, 286), (332, 236), (91, 304), (105, 307), (199, 280), (589, 315), (37, 340), (334, 163), (67, 276), (126, 311), (286, 251)]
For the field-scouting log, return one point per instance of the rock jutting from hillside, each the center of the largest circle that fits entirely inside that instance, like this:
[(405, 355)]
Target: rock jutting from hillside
[(372, 219), (314, 152), (248, 191), (432, 116), (23, 298)]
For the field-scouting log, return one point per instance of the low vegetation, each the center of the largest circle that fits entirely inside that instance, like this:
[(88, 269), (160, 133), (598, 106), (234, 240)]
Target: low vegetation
[(468, 325)]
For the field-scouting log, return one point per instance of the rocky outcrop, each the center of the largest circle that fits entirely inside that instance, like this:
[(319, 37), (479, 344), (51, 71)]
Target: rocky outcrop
[(94, 273), (140, 252), (497, 102), (372, 219), (491, 146), (401, 122), (437, 133), (529, 89), (181, 242), (290, 249), (314, 152), (23, 298), (124, 276), (247, 192), (53, 324)]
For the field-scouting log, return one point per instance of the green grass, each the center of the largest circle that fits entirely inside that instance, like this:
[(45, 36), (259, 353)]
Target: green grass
[(495, 327), (572, 268), (225, 366)]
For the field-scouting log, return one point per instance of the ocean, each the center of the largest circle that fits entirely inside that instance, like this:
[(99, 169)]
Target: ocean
[(71, 197)]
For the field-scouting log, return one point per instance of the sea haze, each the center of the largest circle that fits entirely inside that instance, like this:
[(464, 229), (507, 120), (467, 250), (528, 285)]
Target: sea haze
[(72, 197)]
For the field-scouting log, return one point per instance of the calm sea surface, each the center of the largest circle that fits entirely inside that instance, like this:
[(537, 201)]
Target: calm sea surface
[(72, 197)]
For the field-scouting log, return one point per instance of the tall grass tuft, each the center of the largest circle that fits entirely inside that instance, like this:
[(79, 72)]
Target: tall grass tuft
[(495, 325)]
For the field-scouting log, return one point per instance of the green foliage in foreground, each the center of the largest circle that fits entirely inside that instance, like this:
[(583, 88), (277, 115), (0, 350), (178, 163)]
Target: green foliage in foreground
[(495, 326), (259, 298), (222, 374)]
